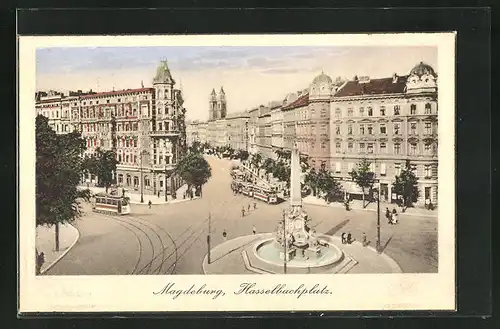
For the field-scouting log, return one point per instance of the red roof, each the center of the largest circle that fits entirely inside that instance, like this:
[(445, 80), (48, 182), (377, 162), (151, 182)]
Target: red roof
[(117, 92), (299, 102), (373, 87)]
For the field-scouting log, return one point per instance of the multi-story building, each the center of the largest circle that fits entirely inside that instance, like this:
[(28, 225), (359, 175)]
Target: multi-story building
[(144, 126), (338, 123), (388, 121), (237, 128), (276, 127), (264, 132)]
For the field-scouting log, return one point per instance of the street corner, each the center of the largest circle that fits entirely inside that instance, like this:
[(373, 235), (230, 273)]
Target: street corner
[(47, 255)]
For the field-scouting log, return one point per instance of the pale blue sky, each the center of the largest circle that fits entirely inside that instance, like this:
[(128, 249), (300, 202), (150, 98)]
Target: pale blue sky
[(250, 75)]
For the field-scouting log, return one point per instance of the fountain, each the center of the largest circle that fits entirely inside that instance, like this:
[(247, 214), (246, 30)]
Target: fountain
[(294, 241), (294, 247)]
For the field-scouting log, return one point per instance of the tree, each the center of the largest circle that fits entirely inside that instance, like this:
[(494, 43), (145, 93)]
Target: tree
[(58, 173), (268, 165), (312, 180), (103, 164), (406, 185), (256, 160), (194, 170), (242, 155), (283, 155), (282, 172), (364, 177), (196, 147)]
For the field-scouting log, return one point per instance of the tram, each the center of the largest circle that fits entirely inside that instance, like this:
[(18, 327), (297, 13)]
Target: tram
[(111, 204), (265, 194)]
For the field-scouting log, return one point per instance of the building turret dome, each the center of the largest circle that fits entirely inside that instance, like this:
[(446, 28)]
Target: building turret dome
[(422, 69), (322, 78), (163, 74)]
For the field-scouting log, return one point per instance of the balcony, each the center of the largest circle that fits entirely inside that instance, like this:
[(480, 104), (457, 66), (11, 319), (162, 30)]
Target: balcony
[(164, 133)]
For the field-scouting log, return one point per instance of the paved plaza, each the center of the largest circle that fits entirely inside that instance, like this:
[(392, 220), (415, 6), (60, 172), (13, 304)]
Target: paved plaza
[(172, 238)]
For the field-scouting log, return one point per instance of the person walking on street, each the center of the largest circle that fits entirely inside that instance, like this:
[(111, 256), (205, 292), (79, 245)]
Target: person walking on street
[(388, 215), (254, 230), (224, 234), (365, 243), (248, 208), (149, 204), (349, 238), (255, 205), (343, 238), (243, 211), (158, 194)]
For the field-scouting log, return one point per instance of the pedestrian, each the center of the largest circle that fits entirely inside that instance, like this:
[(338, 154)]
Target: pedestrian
[(224, 234), (248, 207), (243, 211), (349, 238), (343, 238), (365, 243), (149, 204), (388, 215), (255, 205), (158, 194), (395, 218), (254, 230)]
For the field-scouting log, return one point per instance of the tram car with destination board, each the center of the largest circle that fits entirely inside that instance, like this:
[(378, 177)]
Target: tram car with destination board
[(111, 204), (265, 194)]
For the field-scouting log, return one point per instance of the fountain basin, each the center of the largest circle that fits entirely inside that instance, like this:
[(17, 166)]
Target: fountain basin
[(268, 252)]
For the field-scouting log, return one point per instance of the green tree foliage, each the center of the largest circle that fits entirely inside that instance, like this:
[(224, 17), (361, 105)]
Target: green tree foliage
[(194, 170), (283, 155), (58, 173), (323, 182), (364, 177), (406, 185), (196, 147), (268, 165), (256, 160), (282, 172), (103, 164), (242, 155), (311, 180)]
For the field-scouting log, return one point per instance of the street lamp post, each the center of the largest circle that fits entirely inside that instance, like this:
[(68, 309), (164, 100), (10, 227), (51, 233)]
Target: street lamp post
[(284, 242), (142, 181), (378, 218), (208, 237)]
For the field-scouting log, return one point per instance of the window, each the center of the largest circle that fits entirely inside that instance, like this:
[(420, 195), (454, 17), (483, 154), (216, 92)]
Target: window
[(397, 148), (167, 159), (323, 128), (136, 181), (337, 167), (362, 129), (382, 111), (349, 129), (361, 147), (160, 126), (349, 112), (370, 112), (428, 149), (119, 100), (413, 168), (382, 169), (413, 149), (428, 128), (428, 108), (313, 129), (350, 166), (135, 142), (413, 109), (396, 109), (396, 129), (167, 126), (370, 148), (337, 148), (427, 171), (337, 130), (361, 111), (397, 169), (323, 145), (370, 130), (383, 129), (323, 113), (349, 147), (413, 128), (337, 113), (372, 167), (383, 148), (107, 101)]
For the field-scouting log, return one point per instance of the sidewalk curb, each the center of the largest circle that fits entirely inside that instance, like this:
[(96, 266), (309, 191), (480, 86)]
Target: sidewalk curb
[(164, 203), (64, 253), (365, 209)]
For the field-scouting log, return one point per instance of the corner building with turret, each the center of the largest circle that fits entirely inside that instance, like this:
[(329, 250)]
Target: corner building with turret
[(145, 126)]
